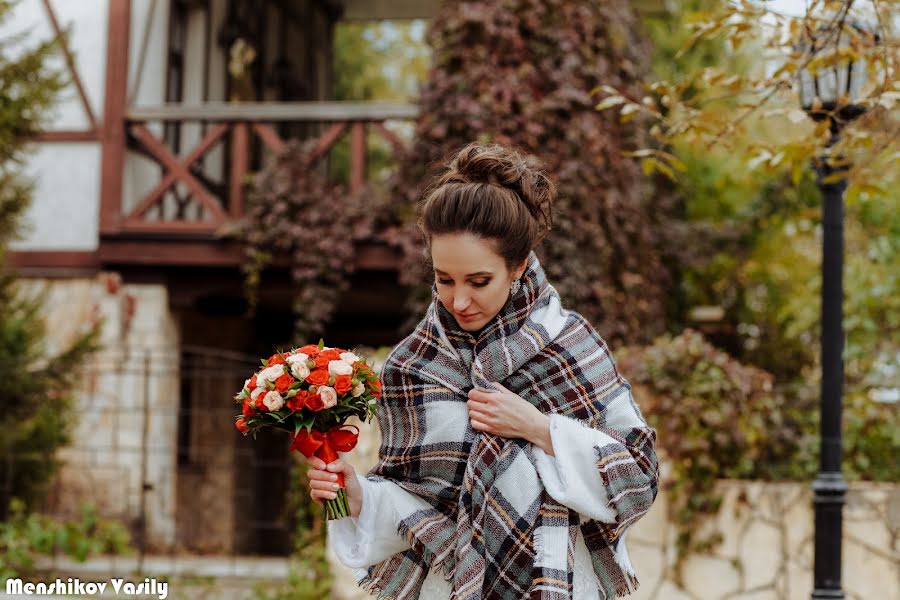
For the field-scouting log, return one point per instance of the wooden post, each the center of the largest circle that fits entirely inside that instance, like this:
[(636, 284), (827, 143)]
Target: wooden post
[(357, 156), (113, 141), (240, 148)]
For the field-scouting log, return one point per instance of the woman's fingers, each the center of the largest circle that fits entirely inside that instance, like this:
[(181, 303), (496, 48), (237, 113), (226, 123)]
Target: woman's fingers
[(316, 463), (316, 475), (329, 485), (319, 495)]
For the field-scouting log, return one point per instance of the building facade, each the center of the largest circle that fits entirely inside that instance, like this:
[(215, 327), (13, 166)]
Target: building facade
[(138, 178)]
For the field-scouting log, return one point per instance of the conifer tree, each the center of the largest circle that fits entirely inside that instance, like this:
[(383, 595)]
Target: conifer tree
[(36, 396)]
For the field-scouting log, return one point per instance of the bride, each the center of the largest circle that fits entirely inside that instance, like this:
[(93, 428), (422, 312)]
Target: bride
[(513, 457)]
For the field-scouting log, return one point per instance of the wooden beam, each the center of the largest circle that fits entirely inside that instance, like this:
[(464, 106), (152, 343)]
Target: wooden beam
[(168, 252), (276, 111), (70, 63), (240, 142), (158, 250), (392, 138), (211, 137), (357, 157), (269, 137), (170, 227), (327, 140), (113, 133), (74, 263), (66, 136), (162, 154)]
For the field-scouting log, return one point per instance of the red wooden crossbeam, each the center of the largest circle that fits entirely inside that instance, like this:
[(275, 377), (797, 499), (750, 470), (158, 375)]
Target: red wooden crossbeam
[(269, 137), (177, 171)]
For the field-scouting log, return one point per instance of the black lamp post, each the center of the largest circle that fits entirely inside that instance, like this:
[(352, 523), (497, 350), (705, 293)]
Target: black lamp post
[(831, 93)]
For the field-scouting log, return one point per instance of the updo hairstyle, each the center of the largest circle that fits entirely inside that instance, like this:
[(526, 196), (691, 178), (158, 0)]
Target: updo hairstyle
[(494, 193)]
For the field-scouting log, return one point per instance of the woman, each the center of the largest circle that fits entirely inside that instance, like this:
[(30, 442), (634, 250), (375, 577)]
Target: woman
[(513, 458)]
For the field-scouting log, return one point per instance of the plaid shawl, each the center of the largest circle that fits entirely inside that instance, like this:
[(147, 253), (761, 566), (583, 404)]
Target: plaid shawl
[(490, 526)]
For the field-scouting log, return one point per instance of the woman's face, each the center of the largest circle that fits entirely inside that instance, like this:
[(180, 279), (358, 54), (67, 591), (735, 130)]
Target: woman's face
[(472, 279)]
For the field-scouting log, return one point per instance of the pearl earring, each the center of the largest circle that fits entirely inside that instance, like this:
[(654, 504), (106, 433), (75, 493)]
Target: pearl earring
[(514, 287)]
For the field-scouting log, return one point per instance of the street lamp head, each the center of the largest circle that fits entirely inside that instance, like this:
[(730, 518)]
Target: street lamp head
[(834, 71)]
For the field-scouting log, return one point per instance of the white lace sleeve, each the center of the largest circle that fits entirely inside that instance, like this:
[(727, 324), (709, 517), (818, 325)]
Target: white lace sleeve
[(570, 476), (371, 538)]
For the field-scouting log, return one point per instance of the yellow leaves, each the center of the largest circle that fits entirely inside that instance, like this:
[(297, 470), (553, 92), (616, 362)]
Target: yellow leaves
[(659, 160), (857, 189), (611, 101), (628, 112)]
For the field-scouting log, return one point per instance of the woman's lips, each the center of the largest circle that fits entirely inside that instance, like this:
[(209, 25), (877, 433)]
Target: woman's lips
[(470, 317)]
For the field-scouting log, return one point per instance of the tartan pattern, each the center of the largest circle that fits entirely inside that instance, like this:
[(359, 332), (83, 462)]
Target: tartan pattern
[(492, 529)]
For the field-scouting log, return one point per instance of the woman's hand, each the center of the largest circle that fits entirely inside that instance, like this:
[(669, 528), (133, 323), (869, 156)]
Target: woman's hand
[(323, 481), (506, 414)]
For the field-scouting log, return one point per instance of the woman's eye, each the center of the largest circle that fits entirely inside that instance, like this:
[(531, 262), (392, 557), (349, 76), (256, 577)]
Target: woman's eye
[(479, 284)]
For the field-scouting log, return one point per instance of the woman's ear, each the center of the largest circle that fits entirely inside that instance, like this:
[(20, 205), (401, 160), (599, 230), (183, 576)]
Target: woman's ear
[(520, 270)]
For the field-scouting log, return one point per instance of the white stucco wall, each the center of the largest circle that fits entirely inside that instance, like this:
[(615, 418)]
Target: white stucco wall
[(66, 176)]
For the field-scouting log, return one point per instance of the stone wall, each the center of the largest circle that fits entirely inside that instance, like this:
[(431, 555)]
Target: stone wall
[(766, 552), (126, 420)]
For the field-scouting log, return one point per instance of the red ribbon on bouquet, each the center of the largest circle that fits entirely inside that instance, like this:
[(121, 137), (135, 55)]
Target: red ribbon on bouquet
[(326, 445)]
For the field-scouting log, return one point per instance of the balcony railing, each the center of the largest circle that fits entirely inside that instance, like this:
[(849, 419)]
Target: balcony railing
[(204, 201)]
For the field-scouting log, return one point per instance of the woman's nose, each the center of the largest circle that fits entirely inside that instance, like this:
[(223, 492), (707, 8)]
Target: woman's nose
[(460, 302)]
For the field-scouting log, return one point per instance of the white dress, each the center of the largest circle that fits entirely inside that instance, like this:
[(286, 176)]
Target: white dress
[(570, 477)]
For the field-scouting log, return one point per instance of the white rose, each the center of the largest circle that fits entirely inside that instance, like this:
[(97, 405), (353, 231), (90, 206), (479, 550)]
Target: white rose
[(358, 389), (349, 357), (297, 358), (299, 370), (273, 400), (255, 394), (339, 367), (269, 374), (328, 396)]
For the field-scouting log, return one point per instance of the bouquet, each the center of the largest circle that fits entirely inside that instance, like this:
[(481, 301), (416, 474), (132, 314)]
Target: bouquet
[(310, 392)]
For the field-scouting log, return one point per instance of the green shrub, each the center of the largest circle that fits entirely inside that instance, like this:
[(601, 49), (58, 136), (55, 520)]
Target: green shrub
[(25, 537)]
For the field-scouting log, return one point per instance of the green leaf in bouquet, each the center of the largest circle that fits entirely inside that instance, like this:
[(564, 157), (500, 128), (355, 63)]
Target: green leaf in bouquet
[(270, 385), (296, 385), (291, 393), (281, 415), (306, 420), (264, 362), (321, 343)]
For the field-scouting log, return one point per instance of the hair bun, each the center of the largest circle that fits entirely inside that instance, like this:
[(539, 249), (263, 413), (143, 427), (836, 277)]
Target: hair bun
[(501, 166)]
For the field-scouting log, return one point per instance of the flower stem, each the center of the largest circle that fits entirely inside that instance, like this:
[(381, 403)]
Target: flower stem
[(339, 507)]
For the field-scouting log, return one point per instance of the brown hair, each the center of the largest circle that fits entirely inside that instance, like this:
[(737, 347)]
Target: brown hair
[(492, 192)]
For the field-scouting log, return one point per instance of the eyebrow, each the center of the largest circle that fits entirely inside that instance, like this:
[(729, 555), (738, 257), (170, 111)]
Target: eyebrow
[(479, 273)]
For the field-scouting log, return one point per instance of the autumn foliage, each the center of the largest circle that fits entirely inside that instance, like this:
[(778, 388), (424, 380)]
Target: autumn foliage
[(523, 73)]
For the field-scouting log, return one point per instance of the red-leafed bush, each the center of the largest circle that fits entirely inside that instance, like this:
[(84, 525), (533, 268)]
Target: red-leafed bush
[(522, 73)]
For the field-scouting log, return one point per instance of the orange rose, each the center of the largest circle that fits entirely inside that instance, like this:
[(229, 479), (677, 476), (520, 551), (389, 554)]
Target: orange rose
[(310, 350), (248, 410), (342, 384), (322, 361), (298, 402), (260, 405), (241, 425), (276, 359), (317, 377), (332, 354), (251, 385), (314, 402), (284, 383)]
